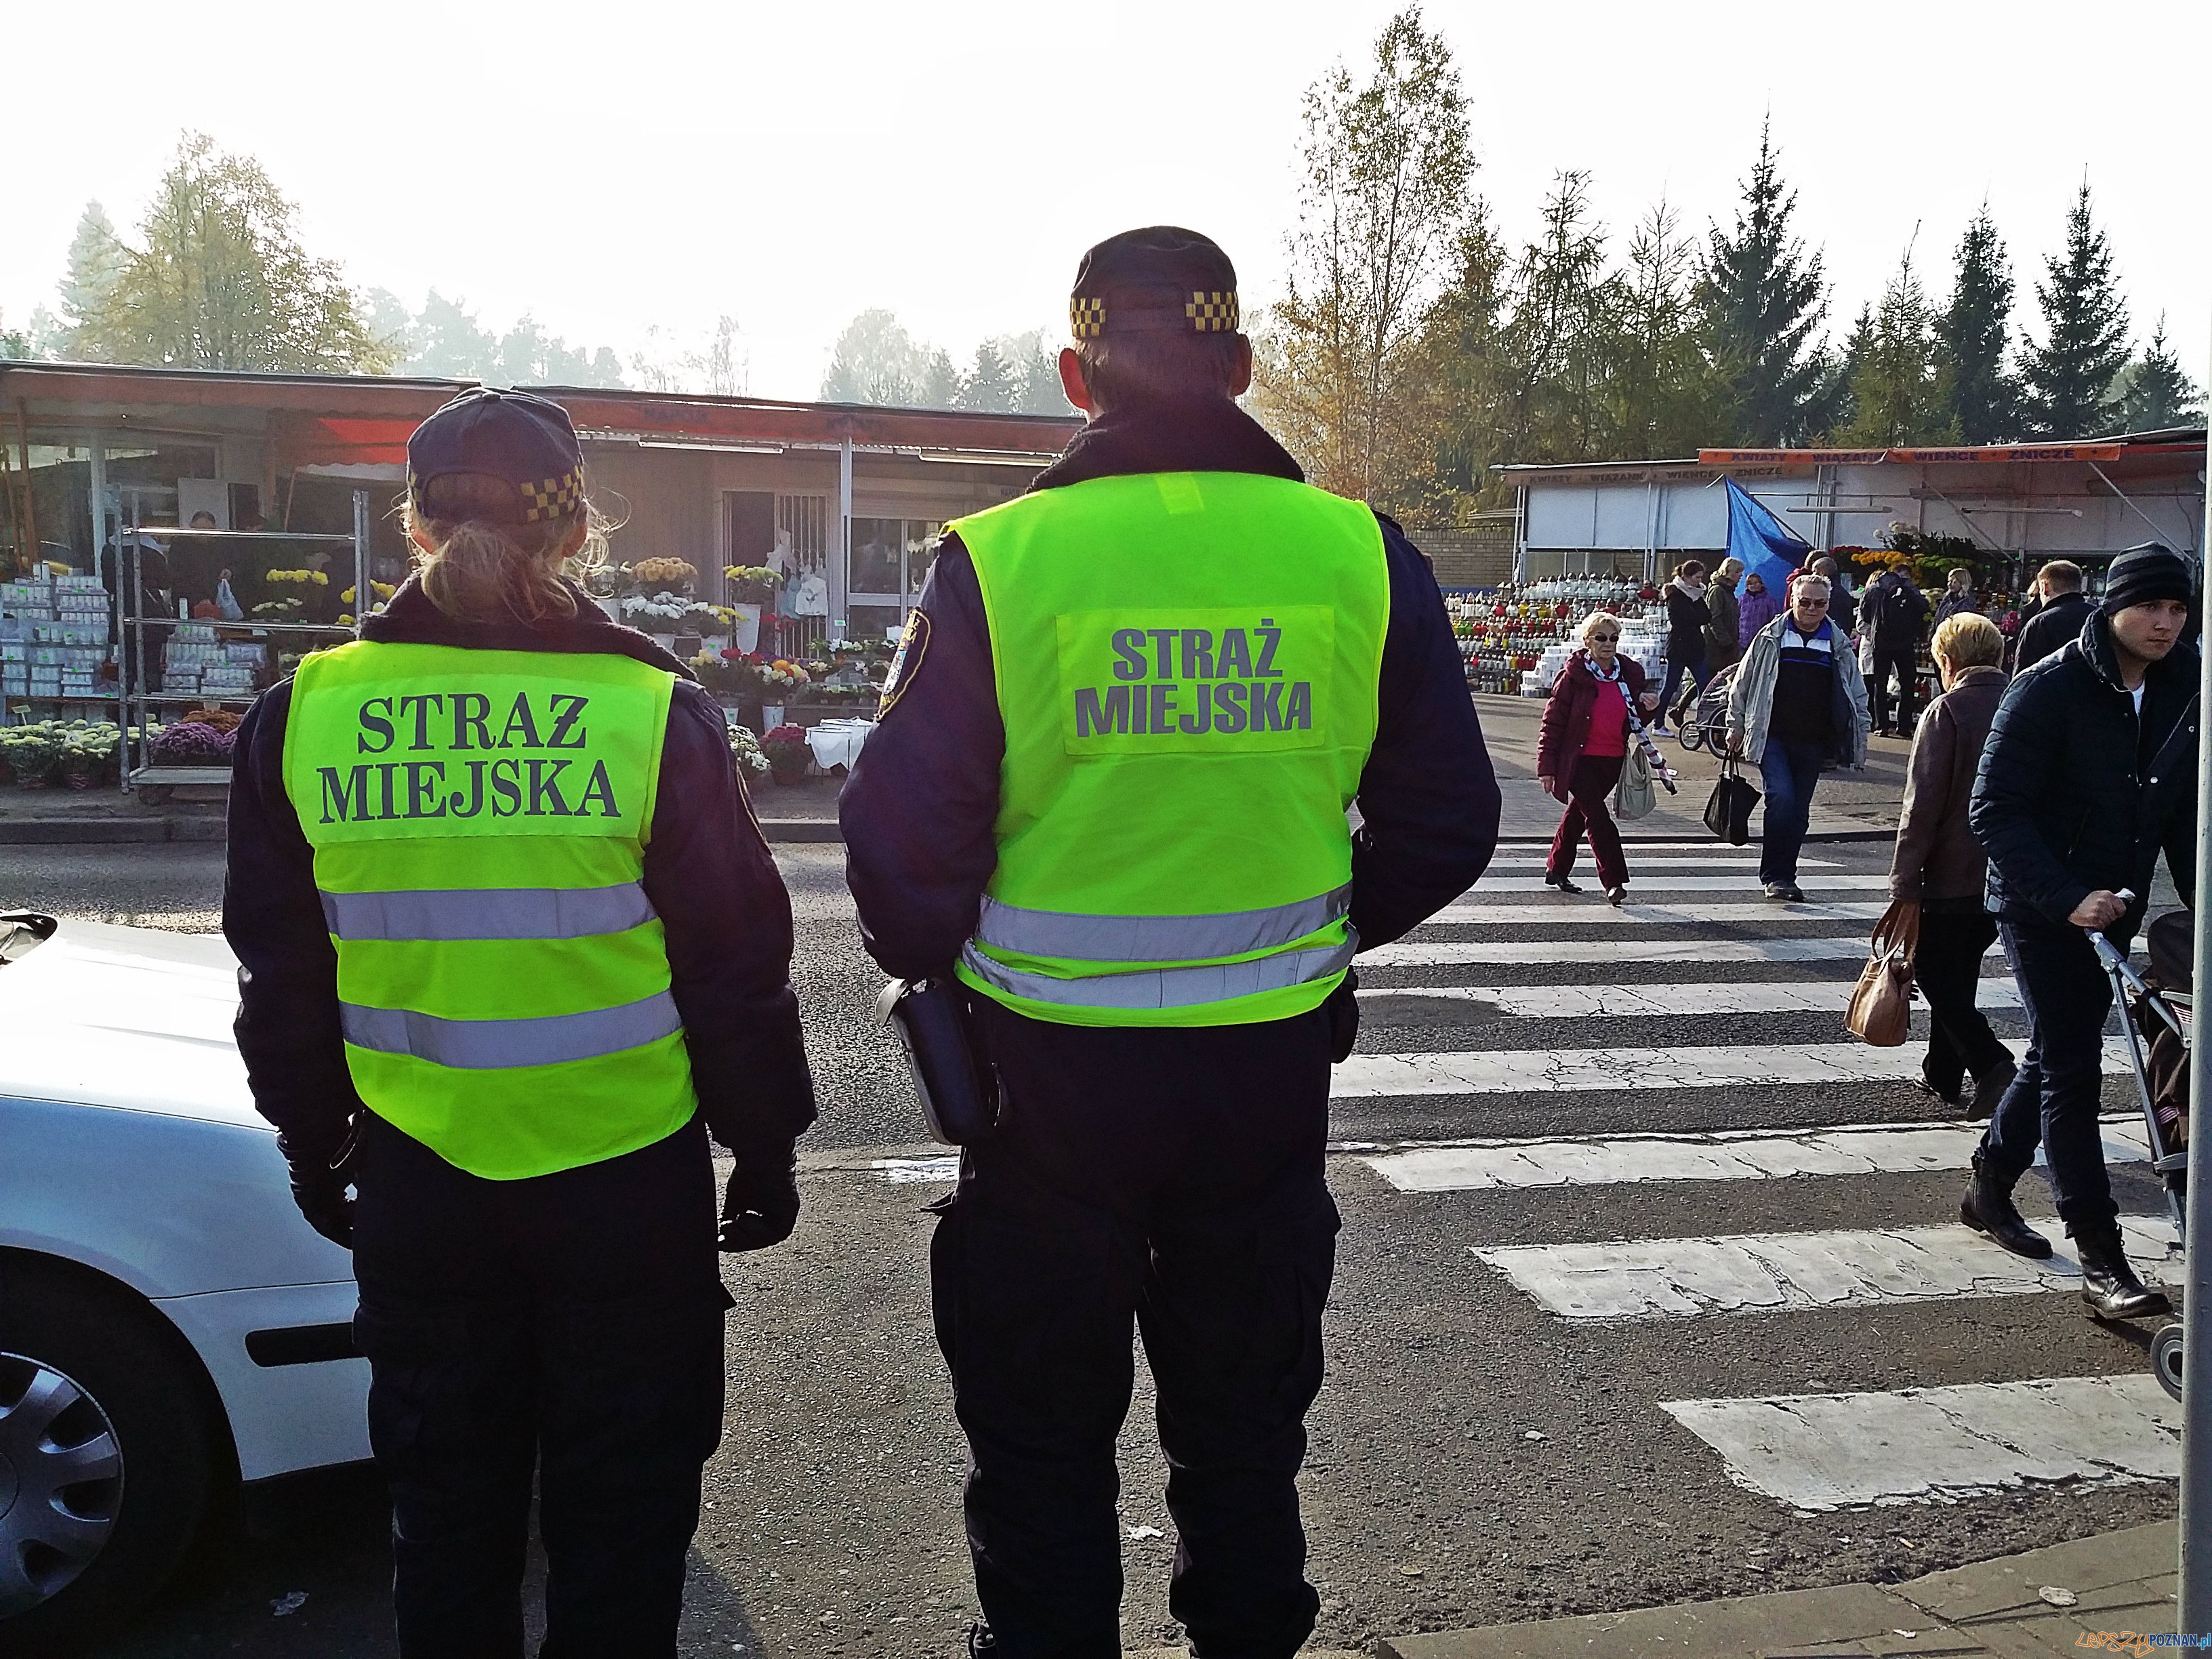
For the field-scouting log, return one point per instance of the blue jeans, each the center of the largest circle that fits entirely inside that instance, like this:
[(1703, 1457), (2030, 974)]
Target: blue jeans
[(2055, 1098), (1789, 770)]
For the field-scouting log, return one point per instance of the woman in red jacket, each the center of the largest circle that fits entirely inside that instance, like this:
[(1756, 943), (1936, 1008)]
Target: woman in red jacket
[(1582, 747)]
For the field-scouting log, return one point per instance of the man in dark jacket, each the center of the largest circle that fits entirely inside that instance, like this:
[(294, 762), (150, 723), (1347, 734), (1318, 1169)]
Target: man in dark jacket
[(1891, 613), (2066, 608), (1168, 1172), (2089, 772)]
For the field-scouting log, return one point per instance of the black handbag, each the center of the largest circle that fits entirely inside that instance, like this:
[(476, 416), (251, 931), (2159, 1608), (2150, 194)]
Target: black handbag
[(1727, 813)]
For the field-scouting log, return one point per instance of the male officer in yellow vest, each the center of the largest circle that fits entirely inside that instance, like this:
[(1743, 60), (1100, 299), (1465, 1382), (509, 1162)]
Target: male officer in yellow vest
[(510, 945), (1109, 792)]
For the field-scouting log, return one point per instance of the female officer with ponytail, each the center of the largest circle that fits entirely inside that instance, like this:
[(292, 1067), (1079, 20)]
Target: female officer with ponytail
[(511, 946)]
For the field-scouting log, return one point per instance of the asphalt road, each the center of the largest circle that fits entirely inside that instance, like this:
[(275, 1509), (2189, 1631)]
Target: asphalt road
[(1476, 1456)]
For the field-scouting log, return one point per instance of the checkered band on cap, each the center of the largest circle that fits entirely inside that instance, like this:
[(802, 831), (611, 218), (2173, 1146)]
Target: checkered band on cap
[(1086, 319), (553, 498), (1213, 313)]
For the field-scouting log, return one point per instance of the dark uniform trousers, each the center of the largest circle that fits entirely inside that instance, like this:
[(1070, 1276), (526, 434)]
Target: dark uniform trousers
[(569, 1324), (1173, 1177)]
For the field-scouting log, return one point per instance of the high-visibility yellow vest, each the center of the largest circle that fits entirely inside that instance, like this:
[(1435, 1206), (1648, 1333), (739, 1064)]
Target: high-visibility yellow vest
[(479, 820), (1187, 667)]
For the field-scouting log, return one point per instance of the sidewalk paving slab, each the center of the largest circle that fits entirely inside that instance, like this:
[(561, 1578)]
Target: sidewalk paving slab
[(2121, 1582)]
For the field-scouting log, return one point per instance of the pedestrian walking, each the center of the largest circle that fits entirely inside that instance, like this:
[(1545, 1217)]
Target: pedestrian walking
[(2089, 771), (1108, 790), (1723, 645), (1958, 597), (2059, 619), (1687, 616), (1891, 615), (1797, 702), (511, 946), (1843, 604), (1588, 724), (1755, 610), (1940, 867)]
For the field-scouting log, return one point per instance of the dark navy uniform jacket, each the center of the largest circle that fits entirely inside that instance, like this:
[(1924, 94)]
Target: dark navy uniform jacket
[(918, 810)]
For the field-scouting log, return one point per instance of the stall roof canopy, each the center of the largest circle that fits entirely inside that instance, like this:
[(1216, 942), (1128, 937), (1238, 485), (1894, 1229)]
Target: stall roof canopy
[(359, 419), (2144, 451)]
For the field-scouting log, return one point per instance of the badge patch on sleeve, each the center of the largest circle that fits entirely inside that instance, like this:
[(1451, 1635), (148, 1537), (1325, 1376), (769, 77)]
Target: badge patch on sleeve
[(914, 644)]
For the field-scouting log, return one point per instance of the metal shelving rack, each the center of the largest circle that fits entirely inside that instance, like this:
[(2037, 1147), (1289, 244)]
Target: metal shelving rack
[(136, 703)]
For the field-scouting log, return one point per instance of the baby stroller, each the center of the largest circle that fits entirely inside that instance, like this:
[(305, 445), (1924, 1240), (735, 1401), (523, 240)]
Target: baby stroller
[(1706, 727), (2156, 1016)]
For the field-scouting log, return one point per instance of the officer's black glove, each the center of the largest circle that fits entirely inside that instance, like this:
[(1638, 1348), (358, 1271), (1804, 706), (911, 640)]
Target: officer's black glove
[(761, 1205), (320, 1193)]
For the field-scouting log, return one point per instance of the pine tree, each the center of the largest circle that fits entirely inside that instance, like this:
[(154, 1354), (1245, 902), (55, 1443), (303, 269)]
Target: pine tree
[(2156, 392), (1984, 401), (96, 260), (1558, 344), (1763, 299), (1661, 386), (989, 387), (1900, 389), (1457, 378), (2068, 377)]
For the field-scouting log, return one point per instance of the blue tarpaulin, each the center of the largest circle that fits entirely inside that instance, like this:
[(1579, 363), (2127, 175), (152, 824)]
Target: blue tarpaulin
[(1768, 549)]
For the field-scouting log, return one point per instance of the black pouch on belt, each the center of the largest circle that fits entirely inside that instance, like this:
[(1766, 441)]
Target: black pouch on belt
[(959, 1095)]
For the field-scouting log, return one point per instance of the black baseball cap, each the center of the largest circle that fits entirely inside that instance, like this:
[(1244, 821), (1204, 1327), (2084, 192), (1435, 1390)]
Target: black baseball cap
[(527, 440), (1161, 277)]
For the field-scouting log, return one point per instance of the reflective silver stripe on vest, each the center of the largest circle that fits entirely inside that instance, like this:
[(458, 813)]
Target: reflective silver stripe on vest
[(1167, 988), (1155, 939), (488, 913), (486, 1045)]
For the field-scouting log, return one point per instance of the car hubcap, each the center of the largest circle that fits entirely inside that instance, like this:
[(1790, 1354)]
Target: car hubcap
[(61, 1481)]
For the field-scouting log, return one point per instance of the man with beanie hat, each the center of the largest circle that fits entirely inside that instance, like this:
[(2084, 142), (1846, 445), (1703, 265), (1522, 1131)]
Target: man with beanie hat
[(1106, 802), (2089, 771)]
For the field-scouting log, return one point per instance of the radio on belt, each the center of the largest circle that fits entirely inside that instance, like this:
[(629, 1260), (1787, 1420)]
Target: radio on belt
[(959, 1096)]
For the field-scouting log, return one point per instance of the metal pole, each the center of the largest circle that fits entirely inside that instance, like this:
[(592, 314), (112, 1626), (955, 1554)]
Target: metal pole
[(361, 590), (2195, 1564), (840, 573), (2156, 528)]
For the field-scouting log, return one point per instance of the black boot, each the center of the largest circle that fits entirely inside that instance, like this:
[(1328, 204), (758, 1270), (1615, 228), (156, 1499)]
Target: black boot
[(1988, 1208), (1561, 883), (2109, 1284)]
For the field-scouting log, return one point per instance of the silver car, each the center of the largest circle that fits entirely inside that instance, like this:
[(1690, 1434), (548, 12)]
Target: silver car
[(169, 1327)]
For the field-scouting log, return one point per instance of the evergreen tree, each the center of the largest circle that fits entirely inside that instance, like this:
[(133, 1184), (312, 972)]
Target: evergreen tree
[(446, 340), (1984, 400), (1839, 410), (15, 343), (1899, 387), (1034, 363), (96, 260), (1663, 389), (989, 387), (2070, 376), (876, 361), (1458, 374), (940, 387), (1763, 299), (2155, 391), (1557, 342)]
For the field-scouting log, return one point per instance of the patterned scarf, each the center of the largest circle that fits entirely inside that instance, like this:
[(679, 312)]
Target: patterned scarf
[(1660, 769)]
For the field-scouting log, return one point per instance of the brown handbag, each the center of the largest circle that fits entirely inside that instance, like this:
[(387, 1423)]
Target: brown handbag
[(1881, 1013)]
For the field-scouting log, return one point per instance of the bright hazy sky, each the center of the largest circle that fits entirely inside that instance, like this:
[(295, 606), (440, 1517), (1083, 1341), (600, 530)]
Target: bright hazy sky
[(617, 166)]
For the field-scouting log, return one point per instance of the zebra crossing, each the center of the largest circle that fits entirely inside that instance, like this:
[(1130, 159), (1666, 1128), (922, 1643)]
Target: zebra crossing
[(1520, 995), (1684, 1055)]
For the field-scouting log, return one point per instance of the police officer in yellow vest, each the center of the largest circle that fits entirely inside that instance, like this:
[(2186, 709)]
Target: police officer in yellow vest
[(510, 946), (1110, 792)]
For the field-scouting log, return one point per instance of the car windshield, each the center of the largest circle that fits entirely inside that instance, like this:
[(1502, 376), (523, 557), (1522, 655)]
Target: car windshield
[(22, 932)]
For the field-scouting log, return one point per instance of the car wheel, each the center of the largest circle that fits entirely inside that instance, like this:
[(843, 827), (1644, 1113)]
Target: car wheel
[(109, 1460)]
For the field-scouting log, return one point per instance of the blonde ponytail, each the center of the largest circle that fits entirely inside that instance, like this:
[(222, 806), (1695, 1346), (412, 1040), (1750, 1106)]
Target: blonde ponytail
[(480, 566)]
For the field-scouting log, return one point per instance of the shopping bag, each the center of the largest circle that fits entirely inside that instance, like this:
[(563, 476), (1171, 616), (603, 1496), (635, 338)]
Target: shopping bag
[(1636, 794), (1881, 1012), (225, 602), (1727, 811)]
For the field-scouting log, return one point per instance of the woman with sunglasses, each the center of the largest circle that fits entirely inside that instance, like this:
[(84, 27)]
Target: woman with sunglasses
[(1588, 724)]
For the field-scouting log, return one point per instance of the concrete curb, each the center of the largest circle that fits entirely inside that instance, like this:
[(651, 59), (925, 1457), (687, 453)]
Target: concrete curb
[(2114, 1582), (107, 832)]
